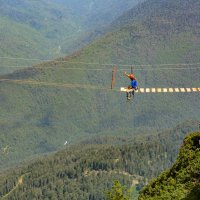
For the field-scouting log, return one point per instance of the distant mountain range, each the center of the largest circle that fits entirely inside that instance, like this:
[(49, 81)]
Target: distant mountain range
[(70, 98), (95, 13), (49, 29), (184, 13)]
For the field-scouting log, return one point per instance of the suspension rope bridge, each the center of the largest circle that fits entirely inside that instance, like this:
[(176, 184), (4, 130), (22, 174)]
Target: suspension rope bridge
[(145, 67), (82, 86), (163, 90), (52, 84)]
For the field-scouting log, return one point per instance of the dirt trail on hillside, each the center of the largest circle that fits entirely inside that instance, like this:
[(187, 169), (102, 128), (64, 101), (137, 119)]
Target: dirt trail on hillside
[(19, 182)]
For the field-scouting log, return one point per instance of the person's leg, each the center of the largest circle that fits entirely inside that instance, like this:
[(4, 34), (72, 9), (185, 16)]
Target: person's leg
[(133, 92), (128, 93)]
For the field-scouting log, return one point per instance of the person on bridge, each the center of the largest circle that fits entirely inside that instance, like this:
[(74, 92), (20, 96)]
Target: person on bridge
[(133, 86)]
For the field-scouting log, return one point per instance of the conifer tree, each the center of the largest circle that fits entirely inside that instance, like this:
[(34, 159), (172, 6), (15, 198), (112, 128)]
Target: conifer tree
[(118, 192)]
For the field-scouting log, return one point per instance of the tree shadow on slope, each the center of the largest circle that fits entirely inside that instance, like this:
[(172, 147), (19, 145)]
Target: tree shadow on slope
[(194, 194)]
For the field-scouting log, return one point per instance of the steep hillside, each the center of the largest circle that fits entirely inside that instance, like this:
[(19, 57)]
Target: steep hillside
[(70, 99), (182, 180), (48, 29), (87, 171), (165, 12), (99, 13), (33, 29)]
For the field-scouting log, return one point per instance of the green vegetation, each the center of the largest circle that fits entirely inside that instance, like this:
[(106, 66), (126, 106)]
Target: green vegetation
[(70, 99), (49, 29), (182, 180), (87, 170), (97, 14), (118, 192), (31, 29), (37, 119)]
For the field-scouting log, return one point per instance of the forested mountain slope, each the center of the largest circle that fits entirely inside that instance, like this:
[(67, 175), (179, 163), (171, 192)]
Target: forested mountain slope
[(48, 29), (182, 180), (87, 171), (99, 13), (165, 12), (70, 99), (33, 29)]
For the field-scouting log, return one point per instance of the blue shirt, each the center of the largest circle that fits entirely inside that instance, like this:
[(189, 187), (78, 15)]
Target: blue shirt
[(134, 84)]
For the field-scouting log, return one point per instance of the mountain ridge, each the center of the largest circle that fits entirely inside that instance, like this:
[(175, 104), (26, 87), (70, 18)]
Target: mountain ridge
[(165, 11), (48, 29), (182, 180), (42, 117)]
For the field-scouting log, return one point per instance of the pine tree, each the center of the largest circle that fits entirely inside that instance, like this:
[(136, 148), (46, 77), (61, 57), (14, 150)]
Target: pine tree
[(118, 192)]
